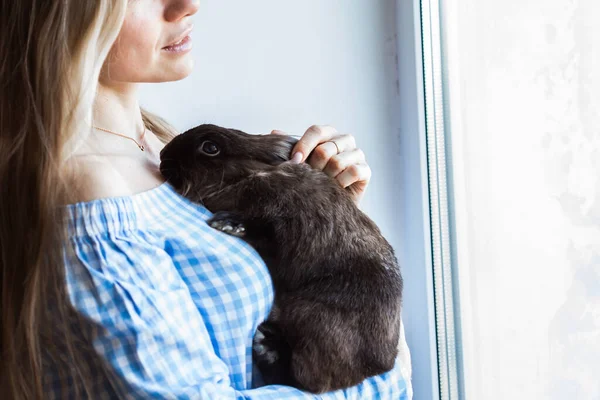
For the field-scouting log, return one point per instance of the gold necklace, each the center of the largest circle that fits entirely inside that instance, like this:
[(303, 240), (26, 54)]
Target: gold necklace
[(125, 136)]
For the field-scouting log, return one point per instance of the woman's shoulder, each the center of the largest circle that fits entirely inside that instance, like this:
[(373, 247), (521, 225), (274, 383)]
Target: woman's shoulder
[(90, 177), (158, 207), (155, 223), (160, 241), (154, 234)]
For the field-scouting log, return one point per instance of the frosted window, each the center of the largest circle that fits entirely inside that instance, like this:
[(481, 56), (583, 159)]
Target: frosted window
[(523, 97)]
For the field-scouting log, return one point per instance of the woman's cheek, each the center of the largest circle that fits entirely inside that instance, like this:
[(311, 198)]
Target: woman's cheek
[(134, 53)]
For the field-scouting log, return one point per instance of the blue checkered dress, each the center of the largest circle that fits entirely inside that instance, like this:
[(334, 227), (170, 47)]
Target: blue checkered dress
[(171, 305)]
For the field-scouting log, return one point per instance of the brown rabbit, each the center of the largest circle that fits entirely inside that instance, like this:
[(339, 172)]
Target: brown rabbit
[(336, 315)]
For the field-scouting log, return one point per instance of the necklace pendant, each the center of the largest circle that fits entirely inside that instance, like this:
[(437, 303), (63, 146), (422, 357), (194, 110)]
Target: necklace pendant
[(141, 147)]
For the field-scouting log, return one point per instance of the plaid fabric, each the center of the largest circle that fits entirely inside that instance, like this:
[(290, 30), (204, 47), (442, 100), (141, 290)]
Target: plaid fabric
[(171, 305)]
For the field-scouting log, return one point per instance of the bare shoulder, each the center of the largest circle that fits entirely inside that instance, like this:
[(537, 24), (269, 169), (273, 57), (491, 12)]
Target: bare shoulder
[(112, 169), (90, 179), (100, 177)]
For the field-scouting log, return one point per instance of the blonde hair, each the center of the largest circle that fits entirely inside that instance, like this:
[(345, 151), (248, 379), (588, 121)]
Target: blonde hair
[(51, 54)]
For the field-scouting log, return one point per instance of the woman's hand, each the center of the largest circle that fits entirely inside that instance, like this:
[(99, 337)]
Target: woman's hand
[(336, 154)]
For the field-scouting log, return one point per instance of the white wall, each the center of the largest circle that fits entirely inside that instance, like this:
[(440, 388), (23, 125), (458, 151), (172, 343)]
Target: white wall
[(287, 65), (524, 106)]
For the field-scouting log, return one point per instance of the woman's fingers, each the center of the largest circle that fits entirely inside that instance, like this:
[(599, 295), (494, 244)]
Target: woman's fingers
[(313, 136), (339, 162), (324, 152), (323, 148), (356, 173), (355, 179)]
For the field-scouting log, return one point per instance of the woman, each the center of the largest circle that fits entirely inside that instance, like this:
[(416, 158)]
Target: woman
[(111, 286)]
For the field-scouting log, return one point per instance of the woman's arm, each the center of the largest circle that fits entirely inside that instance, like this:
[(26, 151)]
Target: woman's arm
[(391, 385), (154, 344)]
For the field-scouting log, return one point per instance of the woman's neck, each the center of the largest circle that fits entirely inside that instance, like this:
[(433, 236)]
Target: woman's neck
[(117, 108), (106, 165)]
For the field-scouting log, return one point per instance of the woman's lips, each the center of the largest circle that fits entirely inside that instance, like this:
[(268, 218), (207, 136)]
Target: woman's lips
[(184, 44)]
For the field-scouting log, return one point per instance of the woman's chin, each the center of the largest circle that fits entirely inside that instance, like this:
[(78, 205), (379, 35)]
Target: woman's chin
[(184, 71), (175, 71)]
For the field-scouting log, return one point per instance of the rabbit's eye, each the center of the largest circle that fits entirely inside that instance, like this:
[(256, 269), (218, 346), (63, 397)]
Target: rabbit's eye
[(209, 148)]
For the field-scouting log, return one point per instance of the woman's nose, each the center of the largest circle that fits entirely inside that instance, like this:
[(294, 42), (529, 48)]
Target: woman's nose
[(177, 9)]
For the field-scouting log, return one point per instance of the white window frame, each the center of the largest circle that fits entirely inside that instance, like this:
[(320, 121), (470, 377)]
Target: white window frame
[(427, 258)]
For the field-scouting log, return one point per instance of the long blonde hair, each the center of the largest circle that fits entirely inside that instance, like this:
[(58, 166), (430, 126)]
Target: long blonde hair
[(51, 54)]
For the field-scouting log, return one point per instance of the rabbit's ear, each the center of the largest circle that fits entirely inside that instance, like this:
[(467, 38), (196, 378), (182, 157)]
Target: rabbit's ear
[(273, 149)]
